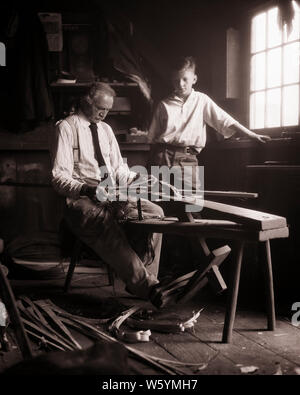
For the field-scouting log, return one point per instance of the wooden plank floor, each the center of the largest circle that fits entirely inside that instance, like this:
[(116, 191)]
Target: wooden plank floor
[(269, 353)]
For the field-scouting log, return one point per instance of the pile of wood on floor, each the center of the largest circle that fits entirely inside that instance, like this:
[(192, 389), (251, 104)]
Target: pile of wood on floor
[(53, 329)]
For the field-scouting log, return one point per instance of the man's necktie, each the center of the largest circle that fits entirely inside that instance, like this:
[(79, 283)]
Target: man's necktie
[(98, 153)]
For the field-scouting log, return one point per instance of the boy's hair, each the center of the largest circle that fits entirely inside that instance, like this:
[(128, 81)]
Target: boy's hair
[(184, 62)]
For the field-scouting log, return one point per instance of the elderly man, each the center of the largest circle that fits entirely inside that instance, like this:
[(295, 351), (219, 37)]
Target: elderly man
[(85, 144)]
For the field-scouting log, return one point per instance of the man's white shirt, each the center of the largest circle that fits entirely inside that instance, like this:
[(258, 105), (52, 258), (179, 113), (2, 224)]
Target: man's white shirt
[(68, 179)]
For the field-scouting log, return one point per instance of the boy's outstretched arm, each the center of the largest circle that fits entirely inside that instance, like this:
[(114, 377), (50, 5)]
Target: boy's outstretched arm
[(237, 127)]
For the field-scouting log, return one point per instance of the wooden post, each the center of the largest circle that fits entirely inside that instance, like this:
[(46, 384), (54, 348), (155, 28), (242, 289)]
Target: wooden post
[(267, 268), (233, 292)]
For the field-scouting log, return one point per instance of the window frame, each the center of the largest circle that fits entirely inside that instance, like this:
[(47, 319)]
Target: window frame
[(271, 131)]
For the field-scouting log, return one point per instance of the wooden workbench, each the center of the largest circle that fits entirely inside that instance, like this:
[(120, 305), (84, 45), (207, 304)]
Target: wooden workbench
[(249, 226)]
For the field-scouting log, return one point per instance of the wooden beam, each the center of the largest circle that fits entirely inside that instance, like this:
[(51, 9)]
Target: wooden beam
[(254, 219), (200, 278), (209, 230)]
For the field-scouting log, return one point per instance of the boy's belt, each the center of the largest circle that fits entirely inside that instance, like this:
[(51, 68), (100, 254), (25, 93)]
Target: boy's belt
[(177, 148)]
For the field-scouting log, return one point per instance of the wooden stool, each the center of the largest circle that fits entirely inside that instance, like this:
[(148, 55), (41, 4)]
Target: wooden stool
[(73, 247)]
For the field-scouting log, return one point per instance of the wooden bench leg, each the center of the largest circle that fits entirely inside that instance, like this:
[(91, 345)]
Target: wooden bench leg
[(215, 277), (267, 265), (73, 263), (233, 290)]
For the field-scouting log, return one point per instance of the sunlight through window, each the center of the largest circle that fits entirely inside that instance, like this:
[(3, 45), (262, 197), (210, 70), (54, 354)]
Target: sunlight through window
[(275, 71)]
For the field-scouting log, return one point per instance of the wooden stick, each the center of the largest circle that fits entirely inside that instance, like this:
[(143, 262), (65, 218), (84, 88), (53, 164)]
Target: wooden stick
[(166, 366), (46, 333), (139, 336), (10, 303), (214, 276), (54, 307), (216, 280), (133, 351), (35, 309), (43, 340), (60, 325), (43, 324), (179, 280), (200, 277)]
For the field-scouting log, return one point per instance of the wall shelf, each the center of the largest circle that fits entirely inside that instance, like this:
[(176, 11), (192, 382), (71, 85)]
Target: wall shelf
[(76, 85)]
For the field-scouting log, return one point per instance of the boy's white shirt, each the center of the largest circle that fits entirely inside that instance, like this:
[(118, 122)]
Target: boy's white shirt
[(68, 179), (183, 123)]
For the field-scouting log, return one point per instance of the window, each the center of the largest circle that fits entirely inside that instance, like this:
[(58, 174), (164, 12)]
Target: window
[(274, 80)]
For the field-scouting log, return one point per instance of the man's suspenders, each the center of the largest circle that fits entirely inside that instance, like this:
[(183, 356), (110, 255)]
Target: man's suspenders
[(75, 140)]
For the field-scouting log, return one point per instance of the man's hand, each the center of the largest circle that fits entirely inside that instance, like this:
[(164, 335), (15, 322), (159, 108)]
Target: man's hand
[(103, 195), (89, 191)]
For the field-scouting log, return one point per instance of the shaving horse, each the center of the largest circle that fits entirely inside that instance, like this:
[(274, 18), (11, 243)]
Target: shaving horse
[(233, 223)]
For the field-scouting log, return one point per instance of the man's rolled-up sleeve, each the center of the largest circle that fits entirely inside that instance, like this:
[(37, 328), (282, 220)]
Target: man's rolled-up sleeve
[(63, 163)]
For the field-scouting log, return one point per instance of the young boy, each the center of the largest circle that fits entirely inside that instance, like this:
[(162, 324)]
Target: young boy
[(178, 127)]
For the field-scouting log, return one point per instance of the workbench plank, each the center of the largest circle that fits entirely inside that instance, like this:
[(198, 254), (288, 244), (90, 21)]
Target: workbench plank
[(255, 219), (210, 230)]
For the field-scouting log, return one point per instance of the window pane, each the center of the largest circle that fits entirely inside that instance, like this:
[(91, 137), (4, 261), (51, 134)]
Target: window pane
[(258, 33), (291, 63), (274, 68), (274, 33), (257, 110), (258, 71), (294, 34), (290, 105), (273, 108)]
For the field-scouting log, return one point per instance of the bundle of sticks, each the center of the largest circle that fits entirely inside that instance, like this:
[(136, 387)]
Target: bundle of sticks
[(51, 327)]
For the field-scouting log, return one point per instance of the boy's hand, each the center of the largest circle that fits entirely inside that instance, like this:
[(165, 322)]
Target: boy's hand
[(252, 135), (260, 138)]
